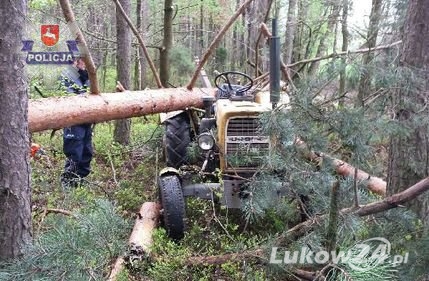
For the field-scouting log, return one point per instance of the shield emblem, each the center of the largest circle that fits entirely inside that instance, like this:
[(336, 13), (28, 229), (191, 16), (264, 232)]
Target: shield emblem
[(50, 34)]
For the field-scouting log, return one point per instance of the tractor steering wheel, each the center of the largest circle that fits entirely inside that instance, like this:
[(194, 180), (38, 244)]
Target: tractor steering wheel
[(233, 88)]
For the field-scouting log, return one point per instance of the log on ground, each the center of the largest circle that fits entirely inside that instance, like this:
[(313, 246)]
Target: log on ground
[(141, 236)]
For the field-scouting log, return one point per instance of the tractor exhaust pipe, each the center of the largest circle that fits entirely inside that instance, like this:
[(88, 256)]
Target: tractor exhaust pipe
[(274, 65)]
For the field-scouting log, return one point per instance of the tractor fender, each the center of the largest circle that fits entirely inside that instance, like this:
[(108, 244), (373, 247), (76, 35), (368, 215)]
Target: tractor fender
[(169, 171), (168, 115)]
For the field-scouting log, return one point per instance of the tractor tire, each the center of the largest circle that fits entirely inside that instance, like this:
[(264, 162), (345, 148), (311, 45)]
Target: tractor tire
[(173, 204), (176, 140)]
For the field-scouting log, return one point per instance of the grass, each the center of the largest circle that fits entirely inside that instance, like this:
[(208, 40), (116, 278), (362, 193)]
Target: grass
[(126, 177)]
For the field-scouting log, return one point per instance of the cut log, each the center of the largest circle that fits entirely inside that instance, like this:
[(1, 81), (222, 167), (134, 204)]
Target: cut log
[(61, 112), (141, 236)]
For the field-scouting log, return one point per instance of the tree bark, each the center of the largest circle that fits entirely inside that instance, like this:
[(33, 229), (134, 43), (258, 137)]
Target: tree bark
[(409, 153), (15, 193), (60, 112), (121, 133), (164, 58)]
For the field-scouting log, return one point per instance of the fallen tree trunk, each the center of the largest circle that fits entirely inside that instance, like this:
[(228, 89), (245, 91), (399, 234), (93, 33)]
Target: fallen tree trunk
[(140, 240), (375, 184), (61, 112)]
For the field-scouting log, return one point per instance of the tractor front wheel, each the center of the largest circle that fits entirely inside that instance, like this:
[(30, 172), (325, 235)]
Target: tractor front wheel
[(173, 205)]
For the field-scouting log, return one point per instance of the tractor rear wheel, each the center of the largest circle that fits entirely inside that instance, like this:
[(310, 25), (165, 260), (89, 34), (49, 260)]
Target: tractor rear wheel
[(176, 140), (173, 204)]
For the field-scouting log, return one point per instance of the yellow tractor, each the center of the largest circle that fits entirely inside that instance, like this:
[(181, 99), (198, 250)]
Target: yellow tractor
[(217, 152)]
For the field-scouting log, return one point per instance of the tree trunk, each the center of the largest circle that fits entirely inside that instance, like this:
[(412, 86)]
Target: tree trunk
[(60, 112), (164, 61), (409, 153), (373, 27), (299, 44), (143, 63), (137, 67), (15, 193), (254, 17), (290, 32), (200, 49), (344, 48), (122, 132)]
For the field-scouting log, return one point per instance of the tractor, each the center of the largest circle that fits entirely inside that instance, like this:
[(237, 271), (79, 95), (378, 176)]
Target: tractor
[(216, 149)]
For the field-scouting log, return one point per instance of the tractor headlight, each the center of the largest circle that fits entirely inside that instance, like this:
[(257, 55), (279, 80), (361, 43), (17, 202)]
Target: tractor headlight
[(206, 141)]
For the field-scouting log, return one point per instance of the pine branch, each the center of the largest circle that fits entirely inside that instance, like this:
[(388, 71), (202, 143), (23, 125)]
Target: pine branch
[(372, 208)]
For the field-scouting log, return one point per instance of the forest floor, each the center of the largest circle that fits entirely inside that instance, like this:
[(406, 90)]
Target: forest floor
[(126, 177)]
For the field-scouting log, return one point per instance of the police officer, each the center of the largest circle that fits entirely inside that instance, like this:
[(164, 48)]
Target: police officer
[(77, 140)]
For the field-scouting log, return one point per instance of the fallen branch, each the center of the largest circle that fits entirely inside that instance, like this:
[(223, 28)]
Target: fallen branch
[(299, 229), (392, 201), (374, 184), (83, 47), (141, 236), (334, 55), (142, 44), (369, 209), (214, 44), (249, 255), (59, 211)]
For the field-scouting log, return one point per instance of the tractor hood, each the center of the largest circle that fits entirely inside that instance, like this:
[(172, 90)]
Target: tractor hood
[(237, 126), (226, 108)]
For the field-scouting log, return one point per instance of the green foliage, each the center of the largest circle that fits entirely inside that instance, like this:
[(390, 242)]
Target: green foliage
[(221, 55), (41, 4), (344, 131), (73, 248), (181, 63)]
